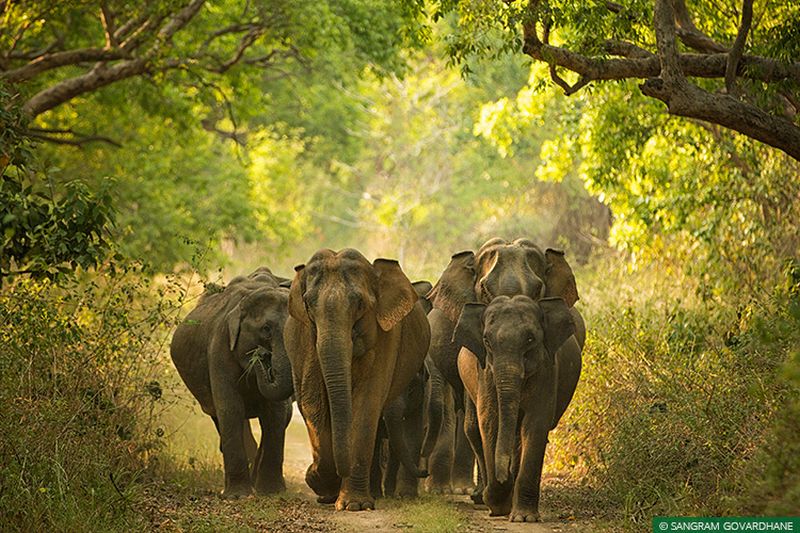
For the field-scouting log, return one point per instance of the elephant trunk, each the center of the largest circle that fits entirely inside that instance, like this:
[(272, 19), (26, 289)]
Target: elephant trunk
[(335, 356), (275, 383), (508, 379), (393, 414)]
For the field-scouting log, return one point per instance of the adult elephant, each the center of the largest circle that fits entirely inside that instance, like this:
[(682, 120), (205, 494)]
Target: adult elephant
[(520, 365), (499, 268), (229, 352), (356, 336)]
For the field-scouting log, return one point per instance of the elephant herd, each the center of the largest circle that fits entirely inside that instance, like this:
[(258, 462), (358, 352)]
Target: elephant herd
[(396, 381)]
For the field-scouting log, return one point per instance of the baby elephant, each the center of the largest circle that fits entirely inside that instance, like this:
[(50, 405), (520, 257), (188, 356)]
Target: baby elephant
[(520, 365), (229, 351)]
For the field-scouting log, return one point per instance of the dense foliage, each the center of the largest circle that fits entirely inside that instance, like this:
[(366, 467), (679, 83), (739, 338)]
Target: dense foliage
[(339, 125)]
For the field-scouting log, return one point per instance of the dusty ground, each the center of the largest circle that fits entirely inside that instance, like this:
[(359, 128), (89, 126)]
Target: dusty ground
[(196, 506)]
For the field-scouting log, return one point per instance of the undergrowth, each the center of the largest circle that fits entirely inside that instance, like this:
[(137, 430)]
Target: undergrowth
[(686, 406), (80, 392)]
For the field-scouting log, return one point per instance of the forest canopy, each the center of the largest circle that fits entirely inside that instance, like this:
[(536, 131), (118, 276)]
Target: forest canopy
[(153, 150)]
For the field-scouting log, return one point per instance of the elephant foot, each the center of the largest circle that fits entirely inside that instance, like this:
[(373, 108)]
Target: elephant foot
[(353, 502), (523, 515), (234, 492), (437, 487), (463, 489), (271, 486), (325, 485), (477, 496), (407, 493), (498, 498)]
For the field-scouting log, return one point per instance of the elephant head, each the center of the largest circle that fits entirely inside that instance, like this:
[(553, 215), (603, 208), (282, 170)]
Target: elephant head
[(348, 304), (516, 338), (502, 268), (255, 338)]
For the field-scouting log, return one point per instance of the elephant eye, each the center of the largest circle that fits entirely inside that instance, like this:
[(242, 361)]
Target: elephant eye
[(487, 342)]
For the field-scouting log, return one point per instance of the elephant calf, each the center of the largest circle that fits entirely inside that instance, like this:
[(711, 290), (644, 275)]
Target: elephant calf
[(520, 365), (229, 351)]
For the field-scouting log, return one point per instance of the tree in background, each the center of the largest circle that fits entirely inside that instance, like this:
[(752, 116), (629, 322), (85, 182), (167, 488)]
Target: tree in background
[(734, 66)]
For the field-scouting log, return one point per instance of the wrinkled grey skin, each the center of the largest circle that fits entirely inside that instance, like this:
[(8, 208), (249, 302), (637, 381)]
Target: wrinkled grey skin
[(356, 337), (229, 352), (520, 364), (499, 268)]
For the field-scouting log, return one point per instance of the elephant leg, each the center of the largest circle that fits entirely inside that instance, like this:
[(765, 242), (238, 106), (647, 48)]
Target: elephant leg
[(250, 445), (321, 474), (440, 460), (354, 494), (496, 495), (408, 484), (462, 472), (526, 489), (473, 434), (376, 471), (269, 470), (231, 416)]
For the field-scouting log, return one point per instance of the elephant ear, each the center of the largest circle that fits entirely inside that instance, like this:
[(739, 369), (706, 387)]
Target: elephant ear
[(234, 321), (559, 280), (469, 330), (422, 288), (558, 324), (396, 296), (297, 307), (456, 286)]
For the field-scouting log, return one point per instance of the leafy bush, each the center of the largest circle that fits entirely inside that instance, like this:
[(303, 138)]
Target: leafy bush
[(79, 388), (685, 406)]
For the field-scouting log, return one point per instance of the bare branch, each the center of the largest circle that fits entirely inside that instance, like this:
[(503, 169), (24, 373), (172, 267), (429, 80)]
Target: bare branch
[(103, 74), (239, 137), (738, 47), (107, 19), (690, 35), (60, 59), (664, 22), (70, 88), (74, 139), (561, 82), (246, 42), (693, 65), (626, 49), (729, 112)]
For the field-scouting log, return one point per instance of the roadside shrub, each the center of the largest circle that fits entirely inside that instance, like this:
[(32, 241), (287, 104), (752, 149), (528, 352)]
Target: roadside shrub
[(79, 395), (686, 405)]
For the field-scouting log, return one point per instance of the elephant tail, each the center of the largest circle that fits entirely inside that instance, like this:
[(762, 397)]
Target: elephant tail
[(435, 408)]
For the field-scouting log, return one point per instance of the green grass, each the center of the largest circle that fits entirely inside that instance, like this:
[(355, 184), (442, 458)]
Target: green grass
[(427, 513)]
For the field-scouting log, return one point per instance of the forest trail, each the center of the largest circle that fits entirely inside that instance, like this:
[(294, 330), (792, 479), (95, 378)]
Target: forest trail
[(296, 510)]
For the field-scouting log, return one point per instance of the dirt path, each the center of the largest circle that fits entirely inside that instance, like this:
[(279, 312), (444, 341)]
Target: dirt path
[(200, 508), (389, 515)]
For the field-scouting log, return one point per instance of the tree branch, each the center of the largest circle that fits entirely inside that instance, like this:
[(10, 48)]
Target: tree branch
[(738, 47), (103, 74), (107, 20), (60, 59), (690, 35), (666, 79), (66, 90), (76, 139)]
